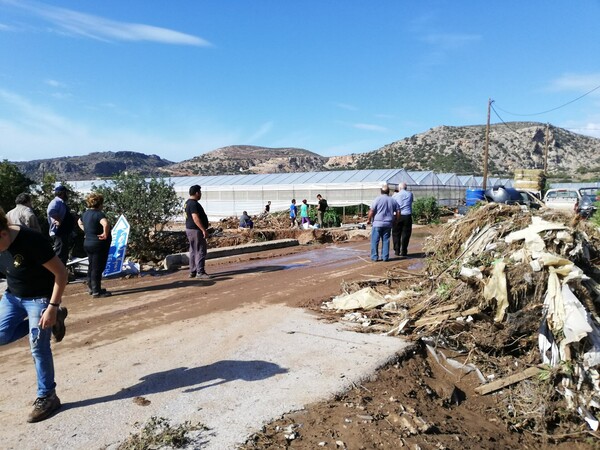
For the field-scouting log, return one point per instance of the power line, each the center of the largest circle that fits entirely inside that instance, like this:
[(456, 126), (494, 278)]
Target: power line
[(553, 109), (502, 120)]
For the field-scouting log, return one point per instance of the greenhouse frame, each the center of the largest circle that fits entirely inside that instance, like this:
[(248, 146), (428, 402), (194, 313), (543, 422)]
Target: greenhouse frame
[(230, 195)]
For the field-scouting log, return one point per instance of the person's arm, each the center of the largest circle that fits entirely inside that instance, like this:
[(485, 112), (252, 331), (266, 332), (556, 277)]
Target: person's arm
[(59, 271), (33, 223), (198, 223), (370, 216), (80, 223), (105, 229)]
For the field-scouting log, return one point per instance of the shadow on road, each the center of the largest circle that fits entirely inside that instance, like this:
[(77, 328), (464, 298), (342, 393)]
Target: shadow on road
[(194, 379)]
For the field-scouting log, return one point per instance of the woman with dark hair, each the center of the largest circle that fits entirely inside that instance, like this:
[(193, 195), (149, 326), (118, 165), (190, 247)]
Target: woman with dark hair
[(36, 280), (96, 243)]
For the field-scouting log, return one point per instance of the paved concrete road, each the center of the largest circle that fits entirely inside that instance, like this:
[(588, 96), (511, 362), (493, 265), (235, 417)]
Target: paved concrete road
[(231, 367)]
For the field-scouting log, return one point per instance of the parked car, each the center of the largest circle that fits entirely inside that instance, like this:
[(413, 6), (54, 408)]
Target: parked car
[(562, 198), (581, 201)]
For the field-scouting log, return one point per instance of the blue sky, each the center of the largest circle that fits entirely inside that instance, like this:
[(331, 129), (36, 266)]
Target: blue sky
[(178, 79)]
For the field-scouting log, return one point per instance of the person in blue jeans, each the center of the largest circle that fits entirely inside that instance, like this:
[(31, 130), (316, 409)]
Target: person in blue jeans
[(381, 214), (36, 279)]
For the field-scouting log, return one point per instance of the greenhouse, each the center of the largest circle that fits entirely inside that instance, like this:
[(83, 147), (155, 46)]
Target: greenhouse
[(229, 195)]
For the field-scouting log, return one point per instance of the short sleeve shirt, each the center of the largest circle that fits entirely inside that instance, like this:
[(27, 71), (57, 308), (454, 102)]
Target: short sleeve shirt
[(383, 208), (193, 207), (91, 225), (26, 277)]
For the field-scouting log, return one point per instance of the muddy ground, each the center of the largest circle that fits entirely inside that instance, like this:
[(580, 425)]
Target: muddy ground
[(411, 403)]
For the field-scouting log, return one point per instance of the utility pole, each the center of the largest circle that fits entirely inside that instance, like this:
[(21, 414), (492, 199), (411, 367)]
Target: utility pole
[(487, 146), (546, 147)]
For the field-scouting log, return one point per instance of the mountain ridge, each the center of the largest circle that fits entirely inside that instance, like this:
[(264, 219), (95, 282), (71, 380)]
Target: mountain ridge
[(456, 149)]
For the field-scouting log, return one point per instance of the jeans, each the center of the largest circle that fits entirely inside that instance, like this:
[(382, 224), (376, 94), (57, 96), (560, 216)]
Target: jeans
[(377, 234), (20, 317), (197, 250)]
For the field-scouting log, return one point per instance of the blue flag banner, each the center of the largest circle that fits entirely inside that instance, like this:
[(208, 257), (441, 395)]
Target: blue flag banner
[(118, 246)]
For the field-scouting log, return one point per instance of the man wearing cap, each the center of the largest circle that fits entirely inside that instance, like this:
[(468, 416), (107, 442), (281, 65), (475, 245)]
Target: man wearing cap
[(61, 223), (196, 226)]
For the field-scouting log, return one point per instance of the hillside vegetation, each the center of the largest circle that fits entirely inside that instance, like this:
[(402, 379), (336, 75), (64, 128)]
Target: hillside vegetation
[(459, 150)]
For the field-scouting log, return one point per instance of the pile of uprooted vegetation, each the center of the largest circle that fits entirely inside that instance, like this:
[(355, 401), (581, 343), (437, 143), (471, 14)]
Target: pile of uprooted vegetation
[(512, 297)]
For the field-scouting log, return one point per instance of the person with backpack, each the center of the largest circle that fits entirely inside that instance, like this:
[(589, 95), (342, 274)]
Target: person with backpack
[(321, 208)]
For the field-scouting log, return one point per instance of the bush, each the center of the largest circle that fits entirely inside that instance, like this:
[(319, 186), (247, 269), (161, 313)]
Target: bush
[(425, 210), (13, 182), (147, 206)]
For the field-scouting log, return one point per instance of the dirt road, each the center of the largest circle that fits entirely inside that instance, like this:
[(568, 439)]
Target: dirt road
[(230, 352)]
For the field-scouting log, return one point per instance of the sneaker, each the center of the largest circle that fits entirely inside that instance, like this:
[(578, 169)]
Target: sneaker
[(43, 407), (204, 276), (102, 294), (59, 328), (192, 275)]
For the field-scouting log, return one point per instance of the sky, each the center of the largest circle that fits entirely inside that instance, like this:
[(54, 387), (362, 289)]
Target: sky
[(179, 79)]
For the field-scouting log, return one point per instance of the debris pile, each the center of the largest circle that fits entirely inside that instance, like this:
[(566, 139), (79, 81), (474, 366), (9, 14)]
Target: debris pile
[(510, 296)]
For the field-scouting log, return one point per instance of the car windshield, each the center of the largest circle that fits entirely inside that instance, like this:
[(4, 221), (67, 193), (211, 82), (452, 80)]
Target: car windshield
[(591, 191)]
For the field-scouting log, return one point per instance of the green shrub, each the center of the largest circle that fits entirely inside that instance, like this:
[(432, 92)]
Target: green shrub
[(425, 210)]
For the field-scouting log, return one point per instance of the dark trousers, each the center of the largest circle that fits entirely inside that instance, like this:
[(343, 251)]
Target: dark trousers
[(197, 250), (60, 245), (97, 257), (401, 232)]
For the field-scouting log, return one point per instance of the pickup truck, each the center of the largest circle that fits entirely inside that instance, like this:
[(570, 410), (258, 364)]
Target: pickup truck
[(580, 200)]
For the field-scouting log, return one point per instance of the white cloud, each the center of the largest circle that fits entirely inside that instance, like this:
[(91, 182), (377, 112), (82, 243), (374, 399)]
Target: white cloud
[(96, 27), (54, 83), (576, 82), (370, 127), (263, 130), (30, 131)]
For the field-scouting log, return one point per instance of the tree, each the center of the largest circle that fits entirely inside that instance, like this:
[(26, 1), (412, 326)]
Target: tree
[(146, 204), (13, 182)]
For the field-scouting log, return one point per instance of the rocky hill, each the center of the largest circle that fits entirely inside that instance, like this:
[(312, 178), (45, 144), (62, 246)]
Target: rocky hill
[(442, 149), (460, 150), (92, 166), (238, 159)]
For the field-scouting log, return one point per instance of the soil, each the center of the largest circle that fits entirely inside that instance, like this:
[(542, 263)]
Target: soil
[(412, 403)]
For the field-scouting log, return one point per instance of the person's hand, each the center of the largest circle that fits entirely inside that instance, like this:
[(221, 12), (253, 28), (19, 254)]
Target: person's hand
[(102, 236), (48, 318)]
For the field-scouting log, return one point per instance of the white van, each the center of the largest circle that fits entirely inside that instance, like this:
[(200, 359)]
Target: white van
[(562, 198)]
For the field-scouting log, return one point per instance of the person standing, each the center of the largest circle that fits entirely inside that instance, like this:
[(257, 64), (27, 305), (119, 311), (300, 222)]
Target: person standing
[(61, 223), (23, 214), (304, 213), (268, 207), (381, 215), (321, 208), (196, 230), (403, 225), (293, 213), (36, 280), (96, 243)]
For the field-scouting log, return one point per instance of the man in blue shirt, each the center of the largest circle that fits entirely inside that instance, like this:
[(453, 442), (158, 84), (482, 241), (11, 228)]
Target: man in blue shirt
[(61, 223), (381, 215), (403, 227)]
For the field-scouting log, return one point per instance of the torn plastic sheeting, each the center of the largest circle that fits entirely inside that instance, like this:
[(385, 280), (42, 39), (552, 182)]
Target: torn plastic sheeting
[(466, 368), (479, 241), (576, 318), (471, 272), (588, 417), (533, 241), (547, 344), (591, 358), (496, 288), (553, 302), (366, 298)]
